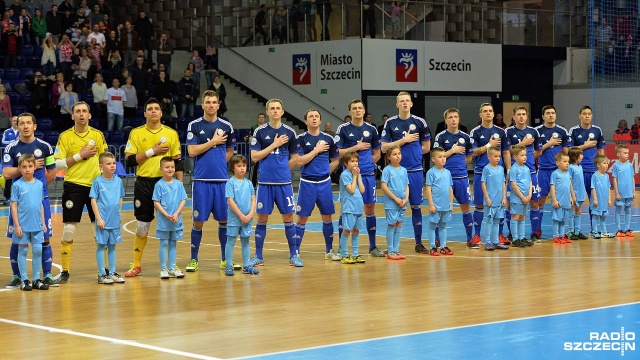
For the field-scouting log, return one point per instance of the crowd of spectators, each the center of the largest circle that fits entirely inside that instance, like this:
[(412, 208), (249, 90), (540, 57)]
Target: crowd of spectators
[(75, 51)]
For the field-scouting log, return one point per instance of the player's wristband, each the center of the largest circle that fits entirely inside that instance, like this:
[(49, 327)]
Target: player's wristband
[(77, 157), (150, 153), (488, 145)]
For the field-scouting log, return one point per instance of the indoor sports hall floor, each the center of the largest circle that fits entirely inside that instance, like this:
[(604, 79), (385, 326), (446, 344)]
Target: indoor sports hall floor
[(550, 301)]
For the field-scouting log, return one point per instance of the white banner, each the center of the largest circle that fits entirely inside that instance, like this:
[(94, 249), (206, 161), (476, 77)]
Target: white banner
[(431, 66)]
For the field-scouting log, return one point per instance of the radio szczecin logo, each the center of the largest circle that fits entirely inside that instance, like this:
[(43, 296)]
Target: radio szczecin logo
[(605, 341)]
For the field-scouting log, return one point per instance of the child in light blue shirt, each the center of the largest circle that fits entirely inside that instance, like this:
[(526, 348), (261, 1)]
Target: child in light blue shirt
[(351, 190), (562, 198), (577, 181), (494, 189), (395, 185), (600, 197), (521, 192), (169, 198), (624, 187), (439, 193)]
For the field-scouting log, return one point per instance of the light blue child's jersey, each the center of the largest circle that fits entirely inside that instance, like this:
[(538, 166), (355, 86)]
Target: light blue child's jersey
[(624, 173), (29, 196), (108, 194), (440, 182), (169, 195), (351, 203), (577, 181), (494, 179), (240, 191), (562, 183), (397, 181), (521, 175)]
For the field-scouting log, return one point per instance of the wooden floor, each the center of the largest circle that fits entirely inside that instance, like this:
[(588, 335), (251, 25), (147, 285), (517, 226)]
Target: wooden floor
[(209, 315)]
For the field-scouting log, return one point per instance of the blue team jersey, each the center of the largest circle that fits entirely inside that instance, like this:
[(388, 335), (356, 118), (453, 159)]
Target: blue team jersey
[(456, 163), (169, 195), (351, 203), (521, 175), (602, 184), (480, 137), (440, 182), (240, 191), (318, 168), (562, 183), (577, 181), (40, 149), (108, 194), (274, 168), (494, 179), (397, 181), (547, 159), (396, 128), (348, 134), (29, 197), (516, 135), (211, 165), (579, 136), (624, 173)]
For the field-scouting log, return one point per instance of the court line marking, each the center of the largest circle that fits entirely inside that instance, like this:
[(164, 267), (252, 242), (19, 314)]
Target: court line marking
[(437, 330), (111, 340)]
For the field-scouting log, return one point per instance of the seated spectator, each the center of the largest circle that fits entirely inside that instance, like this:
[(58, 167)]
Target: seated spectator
[(67, 99), (5, 107), (622, 133), (48, 60), (99, 89), (163, 90), (218, 87), (131, 104)]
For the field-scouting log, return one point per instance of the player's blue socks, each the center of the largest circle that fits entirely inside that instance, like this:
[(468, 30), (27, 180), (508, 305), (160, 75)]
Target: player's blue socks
[(100, 258), (390, 236), (538, 221), (261, 233), (13, 259), (507, 220), (514, 230), (396, 238), (371, 230), (340, 227), (478, 216), (577, 222), (173, 253), (603, 224), (36, 261), (443, 234), (299, 229), (572, 221), (327, 232), (618, 218), (431, 233), (486, 227), (555, 227), (111, 255), (22, 262), (501, 225), (47, 258), (355, 243), (290, 233), (595, 223), (495, 231), (196, 238), (467, 220), (246, 250), (228, 248), (416, 220), (521, 224), (162, 253), (344, 240), (222, 236)]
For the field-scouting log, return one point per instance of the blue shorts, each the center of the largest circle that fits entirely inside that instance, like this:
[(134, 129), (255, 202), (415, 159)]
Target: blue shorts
[(351, 221), (311, 193), (544, 181), (494, 212), (108, 236), (47, 218), (243, 231), (599, 210), (519, 209), (29, 237), (393, 215), (281, 195), (461, 191), (559, 214), (170, 235), (535, 187), (478, 195), (416, 184), (369, 196), (587, 182), (439, 217), (208, 198), (623, 202)]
